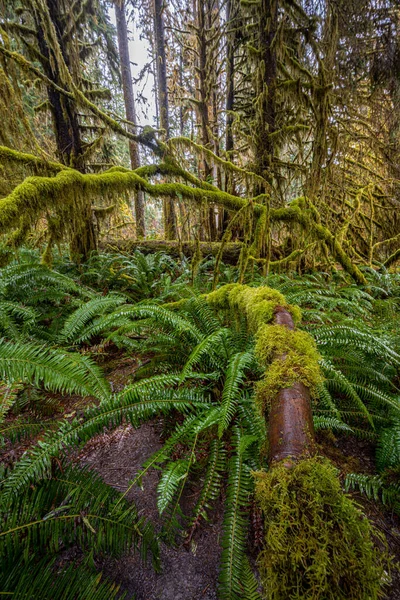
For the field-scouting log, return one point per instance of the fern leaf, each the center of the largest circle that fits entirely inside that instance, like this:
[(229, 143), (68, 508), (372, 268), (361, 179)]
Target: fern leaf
[(79, 318), (54, 369), (230, 394), (235, 524), (205, 347)]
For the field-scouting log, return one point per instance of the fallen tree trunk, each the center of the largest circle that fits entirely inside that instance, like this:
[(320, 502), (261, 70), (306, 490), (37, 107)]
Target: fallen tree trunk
[(317, 544), (291, 429), (230, 253)]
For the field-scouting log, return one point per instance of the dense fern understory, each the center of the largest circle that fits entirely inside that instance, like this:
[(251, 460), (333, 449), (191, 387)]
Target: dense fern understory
[(199, 372)]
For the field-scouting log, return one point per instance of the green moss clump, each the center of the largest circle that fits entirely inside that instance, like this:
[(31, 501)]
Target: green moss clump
[(318, 544), (257, 304), (290, 356), (275, 340)]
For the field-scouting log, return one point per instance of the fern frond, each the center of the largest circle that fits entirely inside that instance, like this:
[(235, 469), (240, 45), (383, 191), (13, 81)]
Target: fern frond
[(206, 347), (375, 486), (211, 485), (388, 450), (15, 319), (74, 506), (54, 369), (336, 381), (250, 583), (342, 335), (46, 579), (93, 308), (332, 423), (130, 406), (235, 524), (230, 394), (171, 476)]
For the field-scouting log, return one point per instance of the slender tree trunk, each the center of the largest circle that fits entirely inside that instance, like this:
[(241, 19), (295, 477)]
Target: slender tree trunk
[(230, 87), (322, 102), (265, 85), (123, 46), (205, 89), (229, 104), (163, 107)]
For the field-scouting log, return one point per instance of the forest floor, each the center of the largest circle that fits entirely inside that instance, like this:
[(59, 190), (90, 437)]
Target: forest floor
[(190, 570)]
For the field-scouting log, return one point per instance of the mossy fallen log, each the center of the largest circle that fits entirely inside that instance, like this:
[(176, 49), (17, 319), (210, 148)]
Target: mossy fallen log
[(291, 429), (318, 545), (230, 253)]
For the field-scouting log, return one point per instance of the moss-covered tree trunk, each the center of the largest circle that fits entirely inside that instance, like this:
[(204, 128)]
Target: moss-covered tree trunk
[(204, 103), (265, 87), (66, 129)]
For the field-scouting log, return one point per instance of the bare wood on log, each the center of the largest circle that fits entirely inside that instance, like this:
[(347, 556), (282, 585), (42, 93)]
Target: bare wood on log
[(291, 429)]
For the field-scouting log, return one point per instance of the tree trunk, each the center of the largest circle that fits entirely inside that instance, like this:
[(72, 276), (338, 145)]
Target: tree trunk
[(205, 89), (123, 46), (67, 133), (229, 104), (265, 87), (168, 203)]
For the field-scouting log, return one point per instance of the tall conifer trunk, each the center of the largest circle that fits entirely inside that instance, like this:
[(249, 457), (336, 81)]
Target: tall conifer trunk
[(129, 100), (163, 108), (265, 85)]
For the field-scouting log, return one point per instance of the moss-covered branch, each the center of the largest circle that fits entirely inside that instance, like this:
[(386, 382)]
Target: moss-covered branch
[(37, 193), (226, 164), (306, 218), (8, 155)]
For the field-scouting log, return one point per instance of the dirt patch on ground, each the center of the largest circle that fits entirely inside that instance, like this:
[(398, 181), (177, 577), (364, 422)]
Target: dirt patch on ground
[(189, 572)]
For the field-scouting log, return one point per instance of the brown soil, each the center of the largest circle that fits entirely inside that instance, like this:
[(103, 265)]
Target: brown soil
[(189, 572)]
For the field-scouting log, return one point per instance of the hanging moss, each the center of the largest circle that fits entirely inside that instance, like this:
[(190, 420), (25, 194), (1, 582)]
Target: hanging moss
[(8, 155), (318, 544), (38, 193), (228, 166)]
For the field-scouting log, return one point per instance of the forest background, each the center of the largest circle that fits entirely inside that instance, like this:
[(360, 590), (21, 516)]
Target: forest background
[(225, 216)]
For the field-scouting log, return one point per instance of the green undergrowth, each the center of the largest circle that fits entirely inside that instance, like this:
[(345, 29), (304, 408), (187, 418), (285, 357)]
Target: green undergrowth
[(318, 543), (201, 356)]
